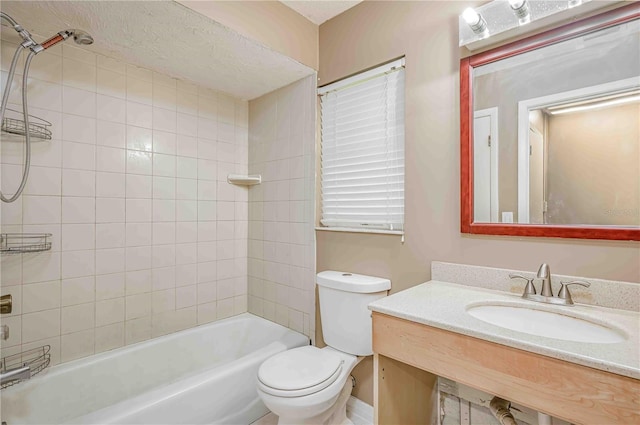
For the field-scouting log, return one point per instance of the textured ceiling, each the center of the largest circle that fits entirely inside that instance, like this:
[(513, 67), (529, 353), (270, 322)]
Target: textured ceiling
[(319, 11), (166, 37)]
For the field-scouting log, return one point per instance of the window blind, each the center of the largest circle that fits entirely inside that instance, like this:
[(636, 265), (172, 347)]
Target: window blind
[(362, 151)]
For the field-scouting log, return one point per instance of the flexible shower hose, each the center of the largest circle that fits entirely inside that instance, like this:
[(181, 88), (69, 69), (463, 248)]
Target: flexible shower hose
[(25, 111)]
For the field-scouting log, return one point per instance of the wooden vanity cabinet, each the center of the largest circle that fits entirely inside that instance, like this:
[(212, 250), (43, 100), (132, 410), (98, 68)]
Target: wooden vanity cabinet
[(408, 357)]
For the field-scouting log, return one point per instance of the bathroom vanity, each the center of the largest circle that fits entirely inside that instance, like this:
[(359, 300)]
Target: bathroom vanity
[(427, 331)]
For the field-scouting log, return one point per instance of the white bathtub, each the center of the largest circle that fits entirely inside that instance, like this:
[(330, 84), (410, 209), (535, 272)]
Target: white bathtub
[(204, 375)]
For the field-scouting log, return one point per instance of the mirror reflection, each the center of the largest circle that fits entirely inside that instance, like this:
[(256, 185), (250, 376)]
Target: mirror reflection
[(556, 133)]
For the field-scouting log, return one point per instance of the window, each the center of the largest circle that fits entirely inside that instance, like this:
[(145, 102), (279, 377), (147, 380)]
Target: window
[(362, 121)]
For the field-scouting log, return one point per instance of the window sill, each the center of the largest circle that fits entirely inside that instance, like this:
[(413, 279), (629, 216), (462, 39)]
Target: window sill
[(358, 230)]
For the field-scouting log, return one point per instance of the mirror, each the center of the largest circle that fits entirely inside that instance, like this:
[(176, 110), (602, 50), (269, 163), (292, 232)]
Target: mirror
[(550, 133)]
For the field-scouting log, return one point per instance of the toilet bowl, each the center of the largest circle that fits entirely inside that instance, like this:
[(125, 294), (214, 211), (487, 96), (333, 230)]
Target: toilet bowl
[(309, 385)]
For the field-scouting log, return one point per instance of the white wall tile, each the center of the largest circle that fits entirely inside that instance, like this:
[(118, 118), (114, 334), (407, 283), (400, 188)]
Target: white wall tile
[(111, 109), (78, 183), (110, 185), (138, 210), (111, 83), (138, 258), (78, 317), (77, 345), (79, 102), (110, 286), (78, 263), (110, 210), (138, 234), (164, 165), (164, 187), (138, 162), (40, 325), (78, 74), (138, 186), (110, 159), (78, 237), (164, 210), (164, 142), (110, 311), (42, 181), (78, 156), (40, 209), (164, 120), (78, 210), (40, 296), (79, 290), (109, 337), (110, 260), (78, 129), (139, 90), (187, 168)]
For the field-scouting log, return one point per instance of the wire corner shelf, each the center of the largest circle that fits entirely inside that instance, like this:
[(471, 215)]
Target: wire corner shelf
[(20, 243), (36, 359), (38, 128)]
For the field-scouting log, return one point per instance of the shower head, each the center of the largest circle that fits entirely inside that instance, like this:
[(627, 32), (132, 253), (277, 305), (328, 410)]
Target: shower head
[(79, 36)]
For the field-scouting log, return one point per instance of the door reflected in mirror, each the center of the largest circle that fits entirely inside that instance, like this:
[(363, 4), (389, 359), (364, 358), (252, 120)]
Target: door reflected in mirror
[(556, 133)]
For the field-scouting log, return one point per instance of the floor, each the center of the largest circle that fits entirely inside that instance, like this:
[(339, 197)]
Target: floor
[(359, 415)]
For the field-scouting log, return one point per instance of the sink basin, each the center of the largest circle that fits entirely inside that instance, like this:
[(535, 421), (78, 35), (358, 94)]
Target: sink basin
[(546, 323)]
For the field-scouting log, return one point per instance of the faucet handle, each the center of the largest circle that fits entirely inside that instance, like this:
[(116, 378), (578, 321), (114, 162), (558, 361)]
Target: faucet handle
[(529, 289), (564, 293)]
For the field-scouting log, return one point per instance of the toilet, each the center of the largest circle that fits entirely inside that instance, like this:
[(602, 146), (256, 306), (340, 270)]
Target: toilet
[(310, 385)]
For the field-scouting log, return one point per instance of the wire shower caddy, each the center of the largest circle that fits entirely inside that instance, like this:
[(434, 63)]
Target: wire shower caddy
[(36, 359), (38, 128), (20, 243)]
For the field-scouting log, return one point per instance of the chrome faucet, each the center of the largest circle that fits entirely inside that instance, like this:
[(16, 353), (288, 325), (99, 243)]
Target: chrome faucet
[(546, 292), (544, 273)]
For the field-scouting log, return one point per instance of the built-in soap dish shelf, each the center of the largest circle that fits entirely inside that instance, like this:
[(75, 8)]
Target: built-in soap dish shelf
[(25, 365), (244, 179), (14, 125), (20, 243)]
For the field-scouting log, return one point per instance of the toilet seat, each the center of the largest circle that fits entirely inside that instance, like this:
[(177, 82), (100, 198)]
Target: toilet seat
[(299, 372)]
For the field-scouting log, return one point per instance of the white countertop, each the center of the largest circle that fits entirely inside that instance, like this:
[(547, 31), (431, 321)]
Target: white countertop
[(443, 305)]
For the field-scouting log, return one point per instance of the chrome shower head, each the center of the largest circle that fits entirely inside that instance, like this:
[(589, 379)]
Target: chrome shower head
[(81, 37)]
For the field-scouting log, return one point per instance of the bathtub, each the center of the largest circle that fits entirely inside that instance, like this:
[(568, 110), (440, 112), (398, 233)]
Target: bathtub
[(203, 375)]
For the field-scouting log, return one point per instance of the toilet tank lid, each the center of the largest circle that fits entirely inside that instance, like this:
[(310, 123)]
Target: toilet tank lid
[(351, 282)]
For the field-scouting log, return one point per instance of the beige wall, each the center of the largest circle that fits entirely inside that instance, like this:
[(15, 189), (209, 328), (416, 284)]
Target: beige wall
[(268, 22), (427, 33), (594, 170)]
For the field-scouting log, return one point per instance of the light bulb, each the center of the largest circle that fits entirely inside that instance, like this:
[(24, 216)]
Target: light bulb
[(476, 22), (470, 16), (521, 10)]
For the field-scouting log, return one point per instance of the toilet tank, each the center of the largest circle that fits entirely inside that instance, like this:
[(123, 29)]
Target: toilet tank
[(346, 320)]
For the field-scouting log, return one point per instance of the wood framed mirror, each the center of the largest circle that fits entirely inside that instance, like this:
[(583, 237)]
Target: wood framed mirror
[(550, 132)]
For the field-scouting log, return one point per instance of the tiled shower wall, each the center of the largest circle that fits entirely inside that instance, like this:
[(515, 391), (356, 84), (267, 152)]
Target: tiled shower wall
[(148, 237), (281, 210)]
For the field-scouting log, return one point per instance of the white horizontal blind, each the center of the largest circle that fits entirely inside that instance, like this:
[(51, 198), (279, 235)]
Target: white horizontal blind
[(363, 152)]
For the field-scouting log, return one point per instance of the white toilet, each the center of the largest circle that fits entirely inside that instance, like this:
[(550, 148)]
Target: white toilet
[(309, 385)]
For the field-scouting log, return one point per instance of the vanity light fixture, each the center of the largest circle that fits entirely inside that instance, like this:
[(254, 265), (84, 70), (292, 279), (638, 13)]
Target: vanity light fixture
[(500, 20), (476, 22), (521, 10)]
